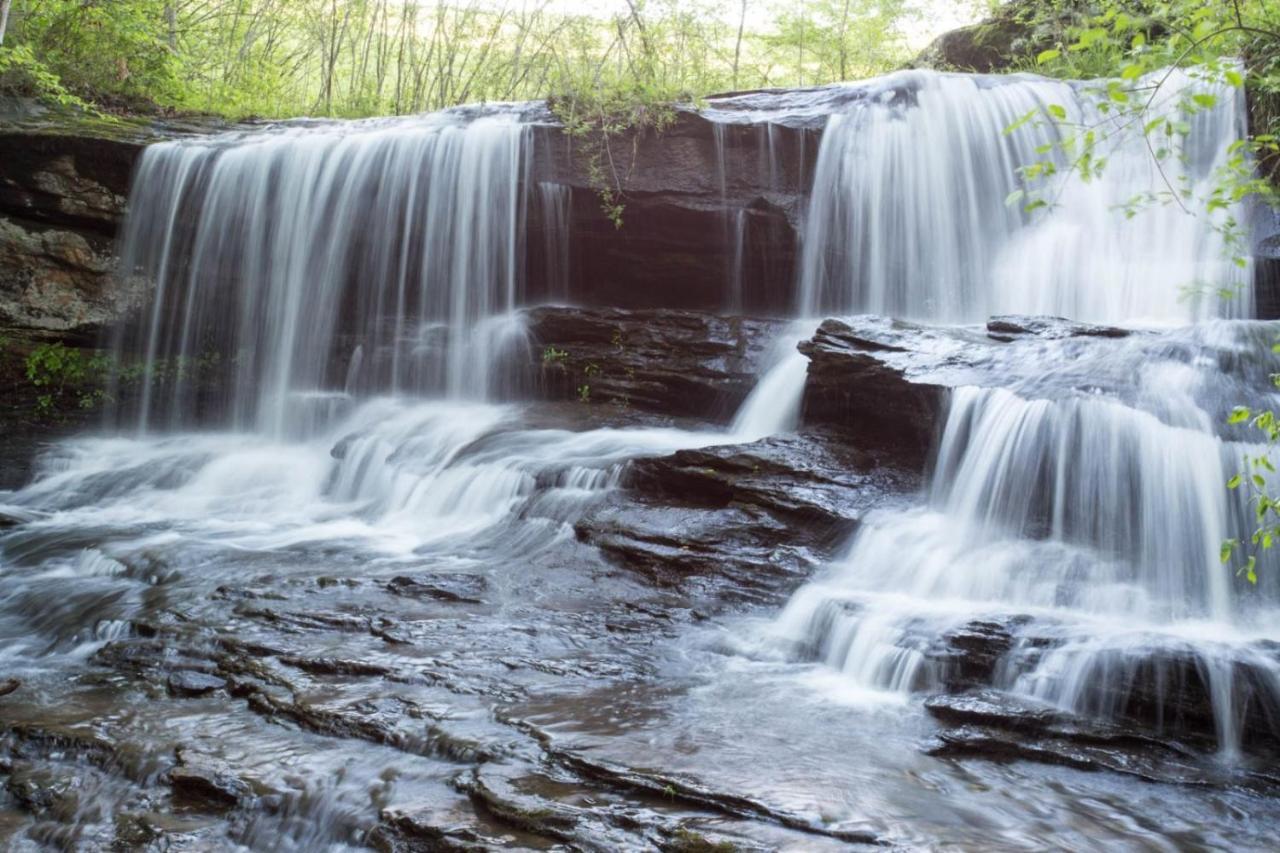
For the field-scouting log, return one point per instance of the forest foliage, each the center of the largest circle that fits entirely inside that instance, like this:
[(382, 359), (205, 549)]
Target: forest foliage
[(278, 58)]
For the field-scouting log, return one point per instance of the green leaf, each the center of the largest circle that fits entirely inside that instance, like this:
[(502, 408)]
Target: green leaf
[(1235, 78), (1205, 100), (1234, 482), (1047, 56), (1238, 415), (1057, 111), (1021, 120), (1132, 71), (1013, 198)]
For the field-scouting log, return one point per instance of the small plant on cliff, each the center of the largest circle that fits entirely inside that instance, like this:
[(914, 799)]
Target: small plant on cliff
[(551, 355), (597, 119), (603, 104), (66, 377)]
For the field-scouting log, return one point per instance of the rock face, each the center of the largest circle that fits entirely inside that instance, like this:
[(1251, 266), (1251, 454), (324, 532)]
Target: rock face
[(64, 183), (712, 207), (61, 199), (680, 363), (702, 200), (851, 385)]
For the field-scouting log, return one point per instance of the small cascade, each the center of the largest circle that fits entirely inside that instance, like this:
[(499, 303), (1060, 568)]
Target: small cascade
[(1091, 522), (261, 278), (1081, 507), (909, 214), (556, 202), (773, 406), (737, 258)]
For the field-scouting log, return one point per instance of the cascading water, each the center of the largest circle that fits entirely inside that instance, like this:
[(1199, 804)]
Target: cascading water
[(394, 571), (258, 266), (1093, 501), (909, 218)]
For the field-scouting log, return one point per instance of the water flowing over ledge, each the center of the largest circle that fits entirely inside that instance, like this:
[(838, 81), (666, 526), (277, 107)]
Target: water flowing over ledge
[(397, 537)]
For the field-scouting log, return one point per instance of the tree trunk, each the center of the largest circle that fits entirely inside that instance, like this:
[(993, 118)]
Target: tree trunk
[(737, 45), (171, 25), (4, 17)]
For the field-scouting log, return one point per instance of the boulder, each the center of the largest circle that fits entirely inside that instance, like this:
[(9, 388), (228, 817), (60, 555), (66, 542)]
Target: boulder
[(851, 384)]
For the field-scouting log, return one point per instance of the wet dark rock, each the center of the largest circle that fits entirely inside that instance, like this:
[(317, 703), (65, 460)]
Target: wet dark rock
[(9, 685), (555, 807), (682, 791), (306, 621), (204, 782), (756, 515), (995, 725), (337, 666), (682, 190), (417, 828), (191, 684), (670, 545), (1169, 690), (849, 384), (237, 593), (685, 840), (454, 588), (1010, 327), (969, 742), (814, 481), (968, 656), (45, 791), (34, 740), (494, 794), (388, 720), (1160, 689), (670, 362)]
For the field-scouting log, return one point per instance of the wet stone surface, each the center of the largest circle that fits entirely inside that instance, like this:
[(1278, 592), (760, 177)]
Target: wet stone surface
[(236, 652)]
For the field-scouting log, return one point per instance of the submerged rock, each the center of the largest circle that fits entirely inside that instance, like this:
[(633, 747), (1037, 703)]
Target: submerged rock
[(997, 726), (204, 782), (1009, 326), (192, 684)]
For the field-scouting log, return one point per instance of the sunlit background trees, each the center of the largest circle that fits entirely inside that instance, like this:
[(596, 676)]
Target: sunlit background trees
[(367, 57)]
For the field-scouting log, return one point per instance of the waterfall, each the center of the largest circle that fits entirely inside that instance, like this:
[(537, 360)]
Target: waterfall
[(278, 255), (556, 202), (1089, 496), (908, 215)]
